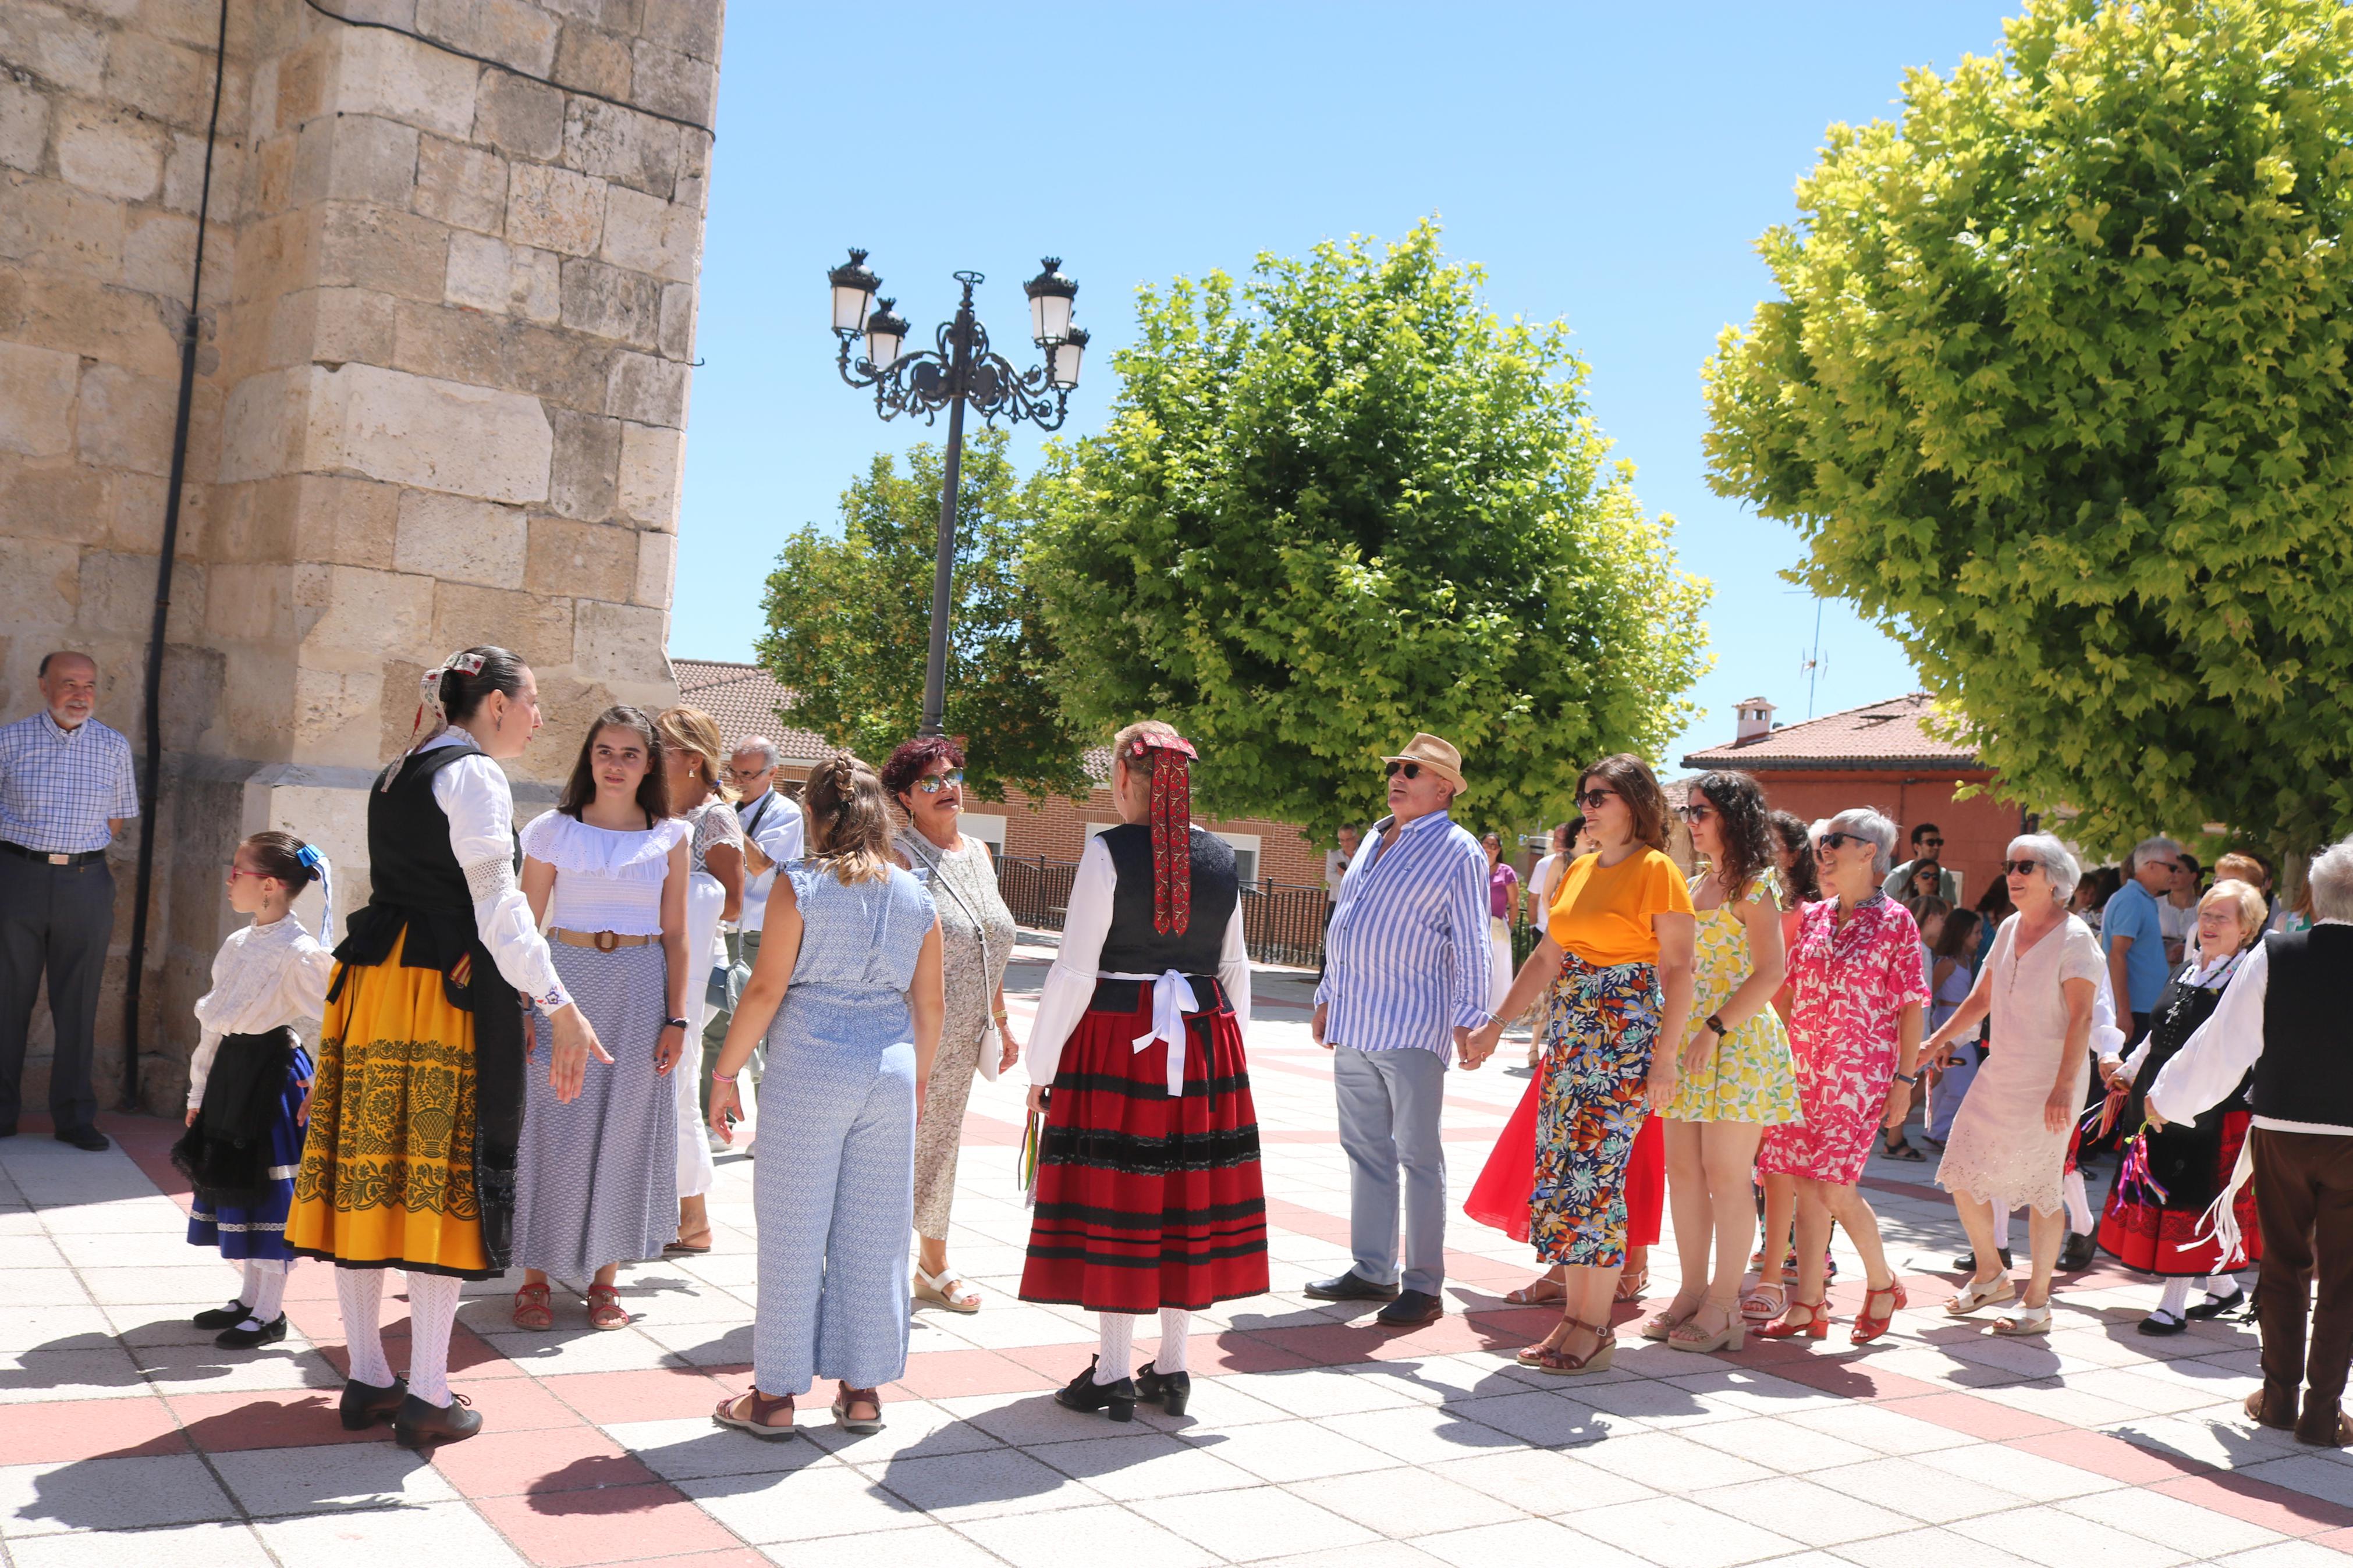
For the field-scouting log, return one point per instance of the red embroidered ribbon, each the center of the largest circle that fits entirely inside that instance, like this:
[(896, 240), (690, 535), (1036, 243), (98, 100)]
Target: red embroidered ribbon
[(1172, 826)]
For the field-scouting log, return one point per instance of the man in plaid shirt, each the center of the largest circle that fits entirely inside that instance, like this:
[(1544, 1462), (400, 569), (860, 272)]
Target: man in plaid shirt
[(66, 786)]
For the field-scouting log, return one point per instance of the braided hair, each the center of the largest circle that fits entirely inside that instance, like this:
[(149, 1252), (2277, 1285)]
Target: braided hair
[(848, 818)]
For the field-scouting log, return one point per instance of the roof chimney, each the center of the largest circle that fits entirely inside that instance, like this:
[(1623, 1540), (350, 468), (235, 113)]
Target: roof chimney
[(1756, 721)]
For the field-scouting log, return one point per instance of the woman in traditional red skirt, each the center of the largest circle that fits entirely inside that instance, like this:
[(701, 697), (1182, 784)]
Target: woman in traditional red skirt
[(1149, 1193)]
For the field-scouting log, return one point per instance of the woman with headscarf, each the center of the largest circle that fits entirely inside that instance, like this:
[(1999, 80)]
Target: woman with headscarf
[(1149, 1197)]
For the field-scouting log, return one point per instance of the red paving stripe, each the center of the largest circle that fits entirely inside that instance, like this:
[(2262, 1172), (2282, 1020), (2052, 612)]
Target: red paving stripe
[(520, 1404), (506, 1463), (667, 1394), (2334, 1539), (1968, 1413), (231, 1423), (946, 1374), (2259, 1502), (573, 1528), (2110, 1456), (68, 1430)]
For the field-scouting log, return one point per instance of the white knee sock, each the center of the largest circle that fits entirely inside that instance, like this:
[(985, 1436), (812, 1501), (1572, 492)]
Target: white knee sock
[(2177, 1295), (1117, 1358), (432, 1312), (265, 1289), (360, 1292), (2222, 1286), (2079, 1207), (2001, 1231), (1175, 1325)]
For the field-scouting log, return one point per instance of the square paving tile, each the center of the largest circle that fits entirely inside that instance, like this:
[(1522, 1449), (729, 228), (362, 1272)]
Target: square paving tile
[(1086, 1537), (108, 1494), (1524, 1540), (572, 1529), (2060, 1539), (1253, 1524), (1409, 1502), (1146, 1465), (1677, 1533), (2203, 1533), (338, 1479), (1804, 1511), (176, 1546), (815, 1502), (977, 1485), (1908, 1487), (449, 1532), (1293, 1451)]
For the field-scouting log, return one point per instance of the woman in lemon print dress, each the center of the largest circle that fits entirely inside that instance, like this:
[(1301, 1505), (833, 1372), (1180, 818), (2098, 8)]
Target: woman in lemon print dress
[(1738, 1075)]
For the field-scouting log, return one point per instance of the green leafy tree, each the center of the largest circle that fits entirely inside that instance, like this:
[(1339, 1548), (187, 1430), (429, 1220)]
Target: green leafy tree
[(2057, 395), (850, 618), (1342, 502)]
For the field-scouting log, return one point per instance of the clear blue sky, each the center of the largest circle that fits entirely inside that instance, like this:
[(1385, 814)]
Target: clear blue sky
[(1608, 165)]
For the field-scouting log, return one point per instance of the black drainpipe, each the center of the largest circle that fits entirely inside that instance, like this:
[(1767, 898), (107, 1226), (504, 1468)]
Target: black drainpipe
[(150, 800)]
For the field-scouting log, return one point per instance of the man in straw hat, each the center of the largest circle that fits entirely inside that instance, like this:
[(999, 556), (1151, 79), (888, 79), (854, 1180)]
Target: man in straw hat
[(1405, 982)]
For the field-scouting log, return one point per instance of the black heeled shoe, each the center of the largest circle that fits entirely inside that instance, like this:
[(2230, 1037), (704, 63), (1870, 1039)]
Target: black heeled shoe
[(1116, 1400), (422, 1425), (1169, 1390), (365, 1404)]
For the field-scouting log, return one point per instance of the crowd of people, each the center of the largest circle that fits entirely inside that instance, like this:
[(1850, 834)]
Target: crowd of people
[(509, 1074)]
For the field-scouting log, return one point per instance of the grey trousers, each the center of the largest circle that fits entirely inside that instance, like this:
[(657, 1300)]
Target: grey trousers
[(1389, 1105), (742, 952), (59, 919)]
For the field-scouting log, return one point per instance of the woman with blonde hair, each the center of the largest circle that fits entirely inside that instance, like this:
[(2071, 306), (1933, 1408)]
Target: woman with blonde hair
[(699, 796), (847, 993)]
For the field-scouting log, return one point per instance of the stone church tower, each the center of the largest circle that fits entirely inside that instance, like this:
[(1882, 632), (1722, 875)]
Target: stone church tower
[(446, 317)]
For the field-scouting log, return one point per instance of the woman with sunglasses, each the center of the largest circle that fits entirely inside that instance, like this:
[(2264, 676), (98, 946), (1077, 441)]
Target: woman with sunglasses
[(1857, 995), (925, 776), (2009, 1142), (1618, 953)]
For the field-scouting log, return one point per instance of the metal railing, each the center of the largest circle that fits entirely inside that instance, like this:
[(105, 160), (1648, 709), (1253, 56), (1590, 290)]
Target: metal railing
[(1038, 891), (1282, 924)]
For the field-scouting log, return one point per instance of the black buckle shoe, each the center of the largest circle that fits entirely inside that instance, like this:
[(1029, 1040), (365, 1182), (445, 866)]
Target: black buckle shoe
[(1410, 1309), (227, 1317), (1967, 1263), (1350, 1287), (1170, 1390), (1083, 1392), (421, 1425), (88, 1138), (2163, 1322), (238, 1338), (2212, 1307), (365, 1404), (2075, 1252)]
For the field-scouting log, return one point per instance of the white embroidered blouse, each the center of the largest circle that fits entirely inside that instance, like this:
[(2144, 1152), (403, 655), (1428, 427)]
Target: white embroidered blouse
[(264, 977), (474, 794)]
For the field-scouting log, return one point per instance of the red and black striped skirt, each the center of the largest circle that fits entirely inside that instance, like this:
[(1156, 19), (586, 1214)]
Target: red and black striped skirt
[(1146, 1201)]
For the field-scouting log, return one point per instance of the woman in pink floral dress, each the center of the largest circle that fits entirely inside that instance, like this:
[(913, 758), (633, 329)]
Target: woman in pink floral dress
[(1857, 993)]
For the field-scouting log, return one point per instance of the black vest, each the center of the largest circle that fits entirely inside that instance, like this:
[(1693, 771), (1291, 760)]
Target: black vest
[(415, 882), (2306, 1073), (1132, 947)]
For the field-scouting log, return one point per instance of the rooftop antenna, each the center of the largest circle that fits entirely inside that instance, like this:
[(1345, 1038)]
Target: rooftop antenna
[(1811, 660)]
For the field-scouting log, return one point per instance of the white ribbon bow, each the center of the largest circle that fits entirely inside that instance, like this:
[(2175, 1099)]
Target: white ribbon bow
[(1172, 998)]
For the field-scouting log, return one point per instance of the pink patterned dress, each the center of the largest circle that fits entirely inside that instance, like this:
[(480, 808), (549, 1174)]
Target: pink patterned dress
[(1847, 984)]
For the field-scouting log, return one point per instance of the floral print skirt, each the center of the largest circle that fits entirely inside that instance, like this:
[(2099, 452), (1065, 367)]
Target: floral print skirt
[(1596, 1075)]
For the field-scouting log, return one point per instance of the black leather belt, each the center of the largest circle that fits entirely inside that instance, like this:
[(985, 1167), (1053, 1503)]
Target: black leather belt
[(81, 857), (1135, 995)]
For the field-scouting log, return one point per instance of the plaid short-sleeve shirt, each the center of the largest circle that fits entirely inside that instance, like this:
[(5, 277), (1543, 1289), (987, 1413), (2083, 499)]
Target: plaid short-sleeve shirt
[(59, 786)]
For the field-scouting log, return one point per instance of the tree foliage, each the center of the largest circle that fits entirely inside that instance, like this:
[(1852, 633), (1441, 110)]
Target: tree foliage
[(1342, 502), (2057, 394), (850, 618)]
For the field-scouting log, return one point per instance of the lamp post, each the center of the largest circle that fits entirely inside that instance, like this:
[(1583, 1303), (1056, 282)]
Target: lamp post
[(959, 370)]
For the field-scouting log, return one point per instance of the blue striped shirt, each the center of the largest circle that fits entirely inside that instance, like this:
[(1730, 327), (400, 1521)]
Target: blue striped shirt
[(59, 786), (1405, 961)]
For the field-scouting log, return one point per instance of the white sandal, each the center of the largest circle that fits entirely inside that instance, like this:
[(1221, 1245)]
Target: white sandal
[(2024, 1319), (1976, 1297), (934, 1288)]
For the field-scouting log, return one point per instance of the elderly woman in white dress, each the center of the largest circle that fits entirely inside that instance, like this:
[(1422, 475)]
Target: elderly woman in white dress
[(2009, 1142)]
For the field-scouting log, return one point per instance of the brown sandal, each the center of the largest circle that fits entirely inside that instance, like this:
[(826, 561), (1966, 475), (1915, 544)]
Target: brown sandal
[(530, 1308), (849, 1399), (756, 1422), (1560, 1363), (1631, 1286), (605, 1309)]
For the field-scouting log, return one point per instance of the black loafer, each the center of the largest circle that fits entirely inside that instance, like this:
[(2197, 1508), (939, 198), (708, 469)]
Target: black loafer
[(418, 1424), (2075, 1252), (1350, 1287), (2211, 1308), (1116, 1400), (1967, 1263), (88, 1138), (1170, 1390), (227, 1317), (1410, 1309), (2163, 1322), (244, 1339), (365, 1404)]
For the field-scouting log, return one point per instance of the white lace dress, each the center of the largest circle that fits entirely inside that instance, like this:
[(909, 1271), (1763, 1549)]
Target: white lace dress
[(2000, 1150)]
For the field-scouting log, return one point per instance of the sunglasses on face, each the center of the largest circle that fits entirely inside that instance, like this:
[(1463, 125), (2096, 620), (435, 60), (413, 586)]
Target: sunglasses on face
[(932, 784), (1410, 770), (1932, 844), (2021, 867), (1595, 799), (1695, 814), (1840, 840)]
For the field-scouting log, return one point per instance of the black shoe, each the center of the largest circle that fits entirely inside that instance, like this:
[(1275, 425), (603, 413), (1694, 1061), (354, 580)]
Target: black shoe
[(243, 1339), (2212, 1307), (1410, 1309), (227, 1317), (365, 1404), (1351, 1287), (1169, 1389), (2162, 1322), (2075, 1252), (1116, 1400), (88, 1138), (7, 1129), (1967, 1263), (418, 1424)]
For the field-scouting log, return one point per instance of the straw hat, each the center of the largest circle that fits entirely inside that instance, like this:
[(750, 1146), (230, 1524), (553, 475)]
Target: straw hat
[(1439, 756)]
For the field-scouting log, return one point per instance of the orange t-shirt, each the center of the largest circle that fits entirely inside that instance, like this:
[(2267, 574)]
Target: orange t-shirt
[(1602, 913)]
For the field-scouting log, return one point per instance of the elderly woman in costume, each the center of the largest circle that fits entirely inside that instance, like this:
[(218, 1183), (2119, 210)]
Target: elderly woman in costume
[(1149, 1195), (417, 1106)]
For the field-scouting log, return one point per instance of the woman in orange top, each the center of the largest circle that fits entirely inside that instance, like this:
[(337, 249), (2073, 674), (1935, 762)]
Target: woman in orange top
[(1618, 955)]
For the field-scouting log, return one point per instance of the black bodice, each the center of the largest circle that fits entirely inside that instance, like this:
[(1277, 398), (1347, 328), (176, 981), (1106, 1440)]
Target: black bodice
[(416, 884), (2306, 1073), (2180, 1009), (1132, 946)]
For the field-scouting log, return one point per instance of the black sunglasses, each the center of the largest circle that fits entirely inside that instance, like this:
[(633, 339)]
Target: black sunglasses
[(1410, 770), (2021, 867), (1595, 799), (1838, 840)]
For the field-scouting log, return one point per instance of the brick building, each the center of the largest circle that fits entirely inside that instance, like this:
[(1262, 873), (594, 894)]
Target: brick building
[(1882, 756), (744, 698)]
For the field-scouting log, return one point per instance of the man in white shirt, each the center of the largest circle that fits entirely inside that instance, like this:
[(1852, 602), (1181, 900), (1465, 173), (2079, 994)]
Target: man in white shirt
[(773, 834), (2285, 1015)]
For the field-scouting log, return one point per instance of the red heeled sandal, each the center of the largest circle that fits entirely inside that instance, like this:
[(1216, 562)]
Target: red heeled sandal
[(1868, 1325), (1817, 1325)]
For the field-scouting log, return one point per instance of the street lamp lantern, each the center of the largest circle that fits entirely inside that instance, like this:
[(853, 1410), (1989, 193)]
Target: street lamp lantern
[(1051, 297), (853, 292), (961, 369)]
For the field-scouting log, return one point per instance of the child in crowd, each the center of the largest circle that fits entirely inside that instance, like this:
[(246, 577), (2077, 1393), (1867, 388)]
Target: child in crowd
[(249, 1082)]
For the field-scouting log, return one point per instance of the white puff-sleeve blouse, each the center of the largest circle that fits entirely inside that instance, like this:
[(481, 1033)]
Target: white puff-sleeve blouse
[(264, 977), (605, 880), (474, 794)]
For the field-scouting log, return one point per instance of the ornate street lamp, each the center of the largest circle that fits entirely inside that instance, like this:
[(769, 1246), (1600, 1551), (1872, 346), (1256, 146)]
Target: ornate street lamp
[(959, 370)]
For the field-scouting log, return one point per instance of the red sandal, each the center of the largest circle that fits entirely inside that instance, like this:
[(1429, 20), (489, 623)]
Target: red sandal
[(1817, 1325), (605, 1309), (530, 1308), (756, 1422), (1869, 1326)]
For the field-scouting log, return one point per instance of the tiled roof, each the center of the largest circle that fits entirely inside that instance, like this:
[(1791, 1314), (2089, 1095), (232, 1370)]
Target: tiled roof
[(1886, 734)]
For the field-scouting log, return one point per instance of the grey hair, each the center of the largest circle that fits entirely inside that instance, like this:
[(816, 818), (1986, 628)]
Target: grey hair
[(760, 743), (2330, 879), (2160, 845), (1865, 822), (2057, 864)]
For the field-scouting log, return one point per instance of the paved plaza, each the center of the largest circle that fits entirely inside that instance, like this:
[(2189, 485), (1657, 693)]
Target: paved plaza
[(1314, 1439)]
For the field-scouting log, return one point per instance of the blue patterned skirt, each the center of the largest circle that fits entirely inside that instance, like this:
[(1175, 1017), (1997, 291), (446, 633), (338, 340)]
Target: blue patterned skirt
[(259, 1230)]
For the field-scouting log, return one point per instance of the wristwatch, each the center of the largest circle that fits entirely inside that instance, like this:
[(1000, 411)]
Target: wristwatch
[(1715, 1021), (1907, 1078), (674, 1023)]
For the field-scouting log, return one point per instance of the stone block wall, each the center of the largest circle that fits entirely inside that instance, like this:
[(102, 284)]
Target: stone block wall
[(444, 333)]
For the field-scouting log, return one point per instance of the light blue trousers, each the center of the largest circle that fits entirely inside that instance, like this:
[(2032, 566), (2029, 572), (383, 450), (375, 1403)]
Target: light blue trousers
[(834, 1195), (1389, 1105)]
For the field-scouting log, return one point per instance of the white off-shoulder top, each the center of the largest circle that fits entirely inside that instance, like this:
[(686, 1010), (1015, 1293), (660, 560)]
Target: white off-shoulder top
[(605, 880)]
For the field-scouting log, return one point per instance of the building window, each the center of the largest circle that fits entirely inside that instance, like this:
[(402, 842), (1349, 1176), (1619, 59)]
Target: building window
[(986, 827)]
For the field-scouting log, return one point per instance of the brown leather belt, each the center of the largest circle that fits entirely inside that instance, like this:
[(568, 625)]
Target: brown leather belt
[(602, 940)]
